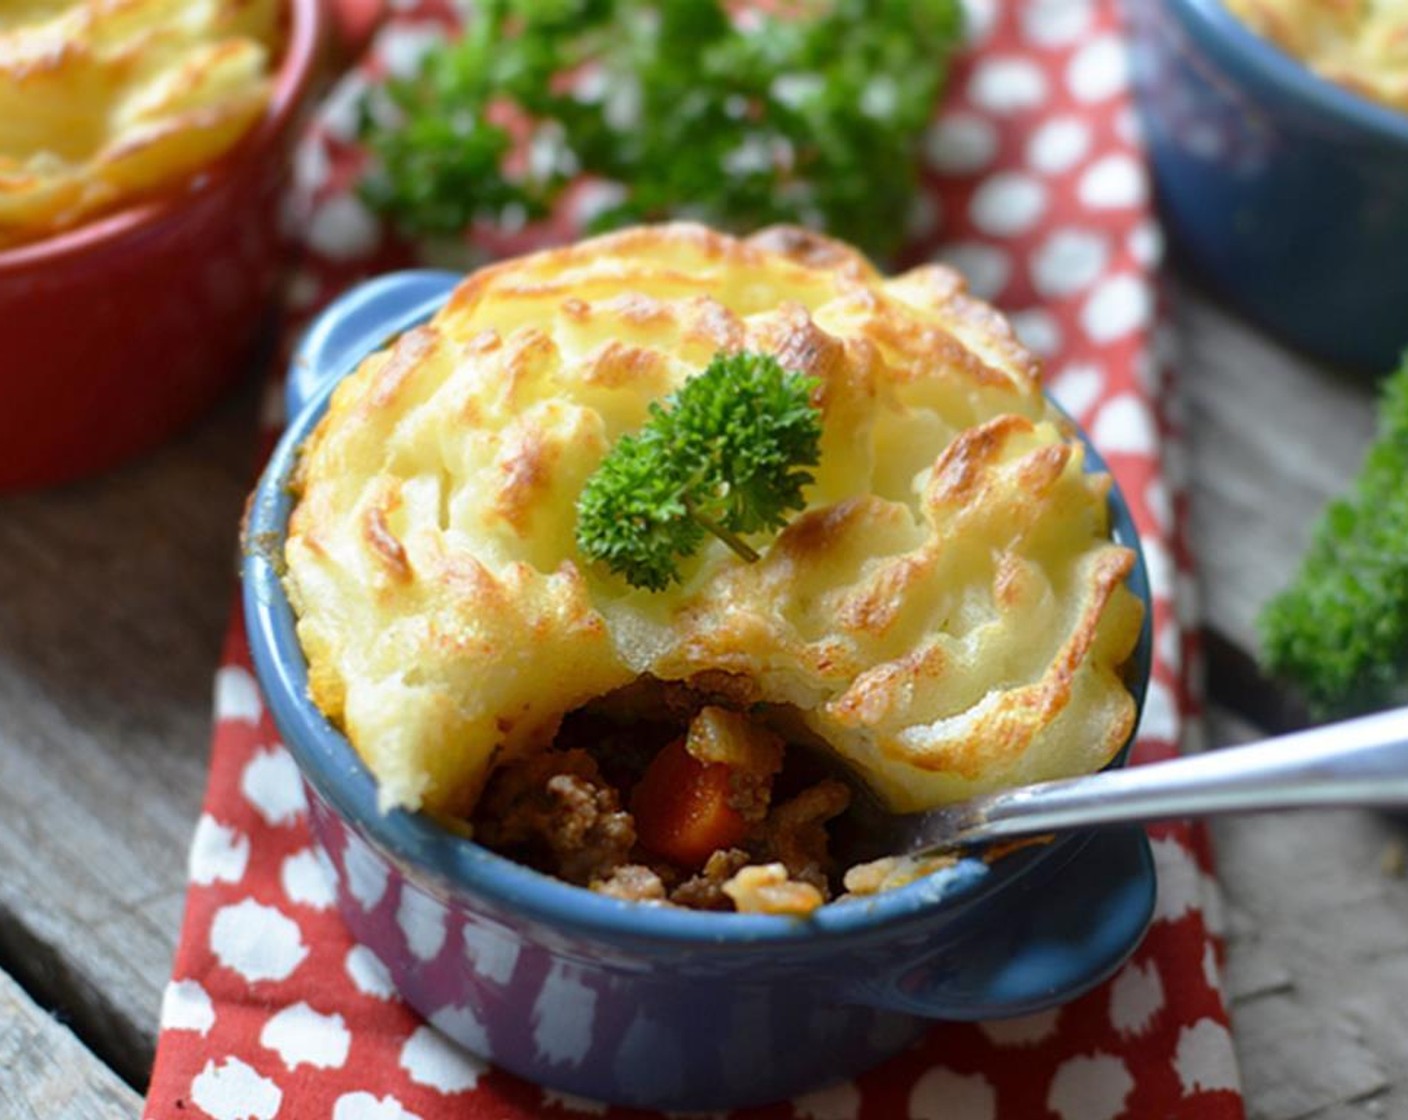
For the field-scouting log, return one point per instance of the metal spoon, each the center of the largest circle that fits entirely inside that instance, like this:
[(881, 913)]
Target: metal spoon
[(1357, 762)]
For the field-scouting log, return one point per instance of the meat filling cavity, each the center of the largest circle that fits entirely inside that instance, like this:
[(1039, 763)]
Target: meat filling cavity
[(659, 795)]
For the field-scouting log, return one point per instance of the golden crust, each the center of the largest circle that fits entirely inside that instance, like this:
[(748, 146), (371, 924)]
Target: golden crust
[(1359, 44), (947, 613), (105, 102)]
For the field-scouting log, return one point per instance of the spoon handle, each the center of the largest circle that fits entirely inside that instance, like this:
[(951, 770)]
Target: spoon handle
[(1362, 761)]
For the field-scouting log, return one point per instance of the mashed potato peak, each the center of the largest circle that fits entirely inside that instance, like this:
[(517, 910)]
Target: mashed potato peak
[(1359, 44), (104, 102), (947, 613)]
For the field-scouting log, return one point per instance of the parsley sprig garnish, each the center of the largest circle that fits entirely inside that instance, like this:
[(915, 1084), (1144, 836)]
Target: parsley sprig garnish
[(814, 117), (726, 454), (1340, 630)]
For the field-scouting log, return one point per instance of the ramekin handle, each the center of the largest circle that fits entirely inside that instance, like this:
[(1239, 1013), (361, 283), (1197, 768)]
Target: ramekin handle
[(1053, 940), (358, 322)]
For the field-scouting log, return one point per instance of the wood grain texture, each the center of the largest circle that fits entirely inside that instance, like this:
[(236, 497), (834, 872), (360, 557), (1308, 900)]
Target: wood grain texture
[(1317, 969), (1272, 436), (47, 1073), (113, 599)]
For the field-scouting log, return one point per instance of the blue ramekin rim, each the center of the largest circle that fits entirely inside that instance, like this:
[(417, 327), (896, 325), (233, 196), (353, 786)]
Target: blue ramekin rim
[(457, 864), (1220, 31)]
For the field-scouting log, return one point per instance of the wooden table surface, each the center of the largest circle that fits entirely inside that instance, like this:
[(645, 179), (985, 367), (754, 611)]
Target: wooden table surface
[(114, 595)]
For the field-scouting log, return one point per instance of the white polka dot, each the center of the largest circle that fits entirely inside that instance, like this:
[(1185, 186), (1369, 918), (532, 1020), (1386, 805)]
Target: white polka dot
[(960, 143), (835, 1102), (237, 695), (1028, 1030), (592, 199), (1099, 70), (985, 267), (429, 1058), (1113, 183), (1179, 880), (341, 110), (312, 166), (232, 1090), (1007, 204), (1077, 387), (1116, 307), (219, 854), (1136, 998), (979, 19), (464, 1026), (363, 1106), (422, 920), (271, 784), (1205, 1058), (1160, 506), (401, 46), (259, 942), (1160, 719), (1090, 1088), (306, 879), (1168, 648), (185, 1006), (303, 1037), (343, 229), (1053, 23), (942, 1094), (366, 873), (1212, 973), (570, 1103), (1069, 261), (563, 1017), (368, 974), (1146, 244), (1058, 145), (1159, 564), (1006, 84), (491, 953), (1038, 330), (1125, 425)]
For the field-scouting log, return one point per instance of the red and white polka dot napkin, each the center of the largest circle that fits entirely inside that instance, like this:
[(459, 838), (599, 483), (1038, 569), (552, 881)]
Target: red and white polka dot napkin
[(1036, 190)]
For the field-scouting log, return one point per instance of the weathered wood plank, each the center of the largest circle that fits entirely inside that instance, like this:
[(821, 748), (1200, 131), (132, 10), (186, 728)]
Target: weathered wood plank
[(113, 600), (1272, 436), (48, 1073), (1317, 968)]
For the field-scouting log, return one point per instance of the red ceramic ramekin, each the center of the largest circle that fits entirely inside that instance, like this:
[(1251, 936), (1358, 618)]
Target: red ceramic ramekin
[(115, 334)]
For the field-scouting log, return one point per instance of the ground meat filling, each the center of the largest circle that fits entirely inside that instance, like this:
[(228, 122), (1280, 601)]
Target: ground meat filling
[(696, 805), (555, 812)]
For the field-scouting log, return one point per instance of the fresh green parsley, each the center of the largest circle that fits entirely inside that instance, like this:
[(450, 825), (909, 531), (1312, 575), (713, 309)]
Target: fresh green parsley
[(815, 117), (725, 454), (1340, 630)]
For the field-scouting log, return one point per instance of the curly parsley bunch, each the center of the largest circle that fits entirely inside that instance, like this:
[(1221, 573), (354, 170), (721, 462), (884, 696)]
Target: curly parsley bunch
[(725, 454), (814, 118), (1340, 630)]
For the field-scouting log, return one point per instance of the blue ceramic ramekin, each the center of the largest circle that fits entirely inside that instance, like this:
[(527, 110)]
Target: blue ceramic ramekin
[(650, 1006), (1284, 192)]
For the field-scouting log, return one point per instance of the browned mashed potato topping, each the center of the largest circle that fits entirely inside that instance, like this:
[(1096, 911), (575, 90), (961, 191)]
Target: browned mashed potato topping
[(106, 102), (946, 616), (1359, 44)]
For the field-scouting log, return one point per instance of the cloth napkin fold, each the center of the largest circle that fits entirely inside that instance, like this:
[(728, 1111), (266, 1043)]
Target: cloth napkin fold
[(1036, 190)]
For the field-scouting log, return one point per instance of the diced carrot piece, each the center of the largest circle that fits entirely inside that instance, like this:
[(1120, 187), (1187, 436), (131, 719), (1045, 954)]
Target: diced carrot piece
[(681, 808)]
